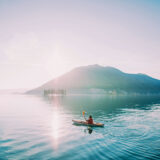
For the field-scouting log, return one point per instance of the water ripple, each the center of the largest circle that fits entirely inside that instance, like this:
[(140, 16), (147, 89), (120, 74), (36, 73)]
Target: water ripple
[(129, 133)]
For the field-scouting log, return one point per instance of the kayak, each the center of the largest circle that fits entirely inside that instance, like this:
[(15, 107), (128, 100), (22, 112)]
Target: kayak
[(84, 123)]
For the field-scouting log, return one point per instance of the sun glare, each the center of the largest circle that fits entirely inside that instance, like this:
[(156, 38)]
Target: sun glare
[(56, 125)]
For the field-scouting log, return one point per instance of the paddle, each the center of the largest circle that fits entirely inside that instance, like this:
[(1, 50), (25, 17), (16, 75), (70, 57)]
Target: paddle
[(84, 115)]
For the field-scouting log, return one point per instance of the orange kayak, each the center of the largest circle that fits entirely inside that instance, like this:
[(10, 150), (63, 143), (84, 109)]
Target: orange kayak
[(84, 123)]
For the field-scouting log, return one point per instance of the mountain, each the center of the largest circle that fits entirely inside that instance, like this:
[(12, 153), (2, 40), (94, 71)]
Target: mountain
[(95, 78)]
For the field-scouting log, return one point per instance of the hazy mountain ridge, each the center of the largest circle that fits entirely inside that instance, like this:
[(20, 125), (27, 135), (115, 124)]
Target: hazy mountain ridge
[(99, 77)]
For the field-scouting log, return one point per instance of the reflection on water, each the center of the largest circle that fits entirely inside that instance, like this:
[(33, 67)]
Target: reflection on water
[(41, 127), (56, 124), (88, 130)]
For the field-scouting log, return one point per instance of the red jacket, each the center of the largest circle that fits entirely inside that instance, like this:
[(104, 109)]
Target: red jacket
[(90, 121)]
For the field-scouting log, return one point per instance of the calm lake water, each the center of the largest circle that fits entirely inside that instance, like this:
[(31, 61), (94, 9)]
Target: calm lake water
[(34, 127)]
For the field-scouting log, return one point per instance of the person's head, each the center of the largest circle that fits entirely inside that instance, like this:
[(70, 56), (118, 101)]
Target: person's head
[(90, 116)]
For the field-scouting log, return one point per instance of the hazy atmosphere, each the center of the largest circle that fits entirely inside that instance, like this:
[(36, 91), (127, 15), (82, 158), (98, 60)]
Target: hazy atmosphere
[(42, 39), (79, 79)]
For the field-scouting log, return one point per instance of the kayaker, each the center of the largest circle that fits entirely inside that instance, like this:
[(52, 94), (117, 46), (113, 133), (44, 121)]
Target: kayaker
[(90, 120)]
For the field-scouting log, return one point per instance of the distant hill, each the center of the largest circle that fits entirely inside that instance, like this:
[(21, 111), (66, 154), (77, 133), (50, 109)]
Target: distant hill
[(94, 78)]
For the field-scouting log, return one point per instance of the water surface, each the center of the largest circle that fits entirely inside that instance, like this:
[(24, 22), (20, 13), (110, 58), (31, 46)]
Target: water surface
[(33, 127)]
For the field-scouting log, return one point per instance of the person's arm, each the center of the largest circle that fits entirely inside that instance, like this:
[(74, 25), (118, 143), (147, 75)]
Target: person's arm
[(84, 118)]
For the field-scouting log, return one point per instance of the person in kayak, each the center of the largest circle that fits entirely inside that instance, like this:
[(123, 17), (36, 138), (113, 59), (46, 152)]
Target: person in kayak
[(90, 120)]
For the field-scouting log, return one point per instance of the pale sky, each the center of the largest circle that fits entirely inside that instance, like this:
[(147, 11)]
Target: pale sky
[(42, 39)]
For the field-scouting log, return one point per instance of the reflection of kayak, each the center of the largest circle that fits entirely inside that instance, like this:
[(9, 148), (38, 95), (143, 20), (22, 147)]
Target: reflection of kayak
[(79, 122)]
